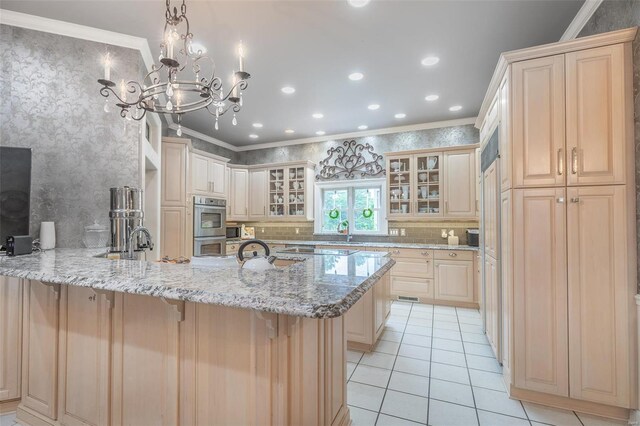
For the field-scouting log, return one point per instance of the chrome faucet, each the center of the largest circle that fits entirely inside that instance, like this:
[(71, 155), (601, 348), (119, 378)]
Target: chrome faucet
[(147, 242)]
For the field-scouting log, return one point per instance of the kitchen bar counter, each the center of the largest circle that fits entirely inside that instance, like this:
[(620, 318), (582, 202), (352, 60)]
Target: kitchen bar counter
[(318, 286), (364, 245)]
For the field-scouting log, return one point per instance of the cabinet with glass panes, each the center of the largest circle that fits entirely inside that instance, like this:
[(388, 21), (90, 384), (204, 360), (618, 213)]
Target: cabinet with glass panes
[(296, 191), (277, 192), (428, 183), (401, 188)]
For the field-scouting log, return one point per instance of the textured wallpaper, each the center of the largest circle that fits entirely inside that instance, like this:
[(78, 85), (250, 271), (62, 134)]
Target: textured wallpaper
[(616, 15), (49, 102), (431, 138)]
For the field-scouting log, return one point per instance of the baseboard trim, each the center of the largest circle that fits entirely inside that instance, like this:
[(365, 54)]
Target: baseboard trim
[(28, 417), (9, 406), (570, 404), (357, 346)]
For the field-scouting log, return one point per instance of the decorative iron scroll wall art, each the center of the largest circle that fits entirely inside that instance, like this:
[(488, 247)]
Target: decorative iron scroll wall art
[(349, 160)]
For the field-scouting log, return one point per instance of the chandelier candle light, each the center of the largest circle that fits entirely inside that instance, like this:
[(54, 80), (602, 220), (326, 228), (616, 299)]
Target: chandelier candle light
[(184, 89)]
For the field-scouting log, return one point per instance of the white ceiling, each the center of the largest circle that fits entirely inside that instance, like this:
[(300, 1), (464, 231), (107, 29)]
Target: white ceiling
[(314, 46)]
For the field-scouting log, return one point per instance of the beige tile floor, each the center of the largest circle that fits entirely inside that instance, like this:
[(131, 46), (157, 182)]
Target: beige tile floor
[(433, 365)]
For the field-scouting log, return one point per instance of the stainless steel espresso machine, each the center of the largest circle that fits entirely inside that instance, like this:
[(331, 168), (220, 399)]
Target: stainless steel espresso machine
[(128, 237)]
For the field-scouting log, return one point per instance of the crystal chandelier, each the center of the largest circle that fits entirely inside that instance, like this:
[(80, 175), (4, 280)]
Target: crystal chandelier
[(185, 90)]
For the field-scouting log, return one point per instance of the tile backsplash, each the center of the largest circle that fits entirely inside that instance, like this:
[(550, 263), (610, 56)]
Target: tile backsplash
[(425, 233)]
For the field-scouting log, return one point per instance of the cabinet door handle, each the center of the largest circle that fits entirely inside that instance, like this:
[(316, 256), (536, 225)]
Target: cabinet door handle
[(560, 163), (213, 187), (425, 253), (560, 200), (453, 254), (574, 160), (575, 200)]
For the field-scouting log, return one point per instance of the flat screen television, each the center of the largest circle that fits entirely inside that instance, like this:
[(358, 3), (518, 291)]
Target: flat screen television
[(15, 191)]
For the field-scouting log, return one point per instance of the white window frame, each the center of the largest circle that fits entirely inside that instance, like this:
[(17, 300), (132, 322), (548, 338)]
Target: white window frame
[(319, 187)]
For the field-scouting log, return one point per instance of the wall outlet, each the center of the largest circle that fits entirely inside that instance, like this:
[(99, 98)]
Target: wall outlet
[(444, 233), (262, 230), (393, 232), (403, 233), (297, 231)]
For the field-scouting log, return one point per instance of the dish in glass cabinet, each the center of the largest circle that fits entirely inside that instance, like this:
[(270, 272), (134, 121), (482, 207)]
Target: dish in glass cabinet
[(399, 178), (431, 162), (395, 165), (422, 177)]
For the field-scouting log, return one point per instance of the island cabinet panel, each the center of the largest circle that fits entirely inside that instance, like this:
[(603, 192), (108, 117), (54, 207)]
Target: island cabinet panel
[(85, 356), (41, 305), (540, 291), (173, 233), (10, 337), (538, 122), (227, 366), (600, 346), (145, 361), (596, 116), (365, 320), (316, 371)]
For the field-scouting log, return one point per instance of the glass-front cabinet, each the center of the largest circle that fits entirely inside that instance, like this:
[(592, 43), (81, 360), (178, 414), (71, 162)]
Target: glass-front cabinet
[(290, 191), (427, 182), (414, 185), (277, 192)]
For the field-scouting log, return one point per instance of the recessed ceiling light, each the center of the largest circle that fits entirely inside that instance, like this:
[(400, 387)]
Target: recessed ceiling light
[(317, 115), (287, 90), (320, 132), (355, 76), (358, 3), (257, 125), (431, 98), (373, 107), (253, 136), (289, 131), (455, 108), (430, 61), (400, 115), (363, 127)]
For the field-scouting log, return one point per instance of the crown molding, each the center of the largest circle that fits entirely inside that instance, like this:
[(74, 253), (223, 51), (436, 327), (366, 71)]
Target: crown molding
[(365, 133), (626, 35), (580, 20)]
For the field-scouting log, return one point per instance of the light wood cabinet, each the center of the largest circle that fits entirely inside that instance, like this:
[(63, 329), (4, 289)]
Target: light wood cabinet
[(459, 184), (421, 288), (600, 346), (174, 232), (539, 122), (84, 370), (10, 337), (490, 213), (540, 291), (506, 280), (504, 132), (175, 159), (596, 115), (290, 191), (41, 305), (492, 304), (239, 194), (432, 184), (365, 320), (454, 280), (258, 194), (207, 175), (145, 360)]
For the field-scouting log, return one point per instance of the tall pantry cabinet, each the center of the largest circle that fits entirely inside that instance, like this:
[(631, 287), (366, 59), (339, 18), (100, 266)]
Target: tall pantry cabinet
[(568, 223)]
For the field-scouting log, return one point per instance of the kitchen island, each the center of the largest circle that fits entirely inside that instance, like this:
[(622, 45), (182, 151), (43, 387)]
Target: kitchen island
[(144, 343)]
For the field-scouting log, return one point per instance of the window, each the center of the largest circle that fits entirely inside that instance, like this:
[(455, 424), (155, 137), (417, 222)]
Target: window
[(358, 204)]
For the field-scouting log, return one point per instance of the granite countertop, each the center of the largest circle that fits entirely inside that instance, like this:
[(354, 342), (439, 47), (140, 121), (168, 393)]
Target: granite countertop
[(363, 246), (319, 286)]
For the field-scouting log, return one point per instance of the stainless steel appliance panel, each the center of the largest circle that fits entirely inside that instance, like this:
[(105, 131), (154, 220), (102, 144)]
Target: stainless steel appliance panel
[(209, 217), (209, 246)]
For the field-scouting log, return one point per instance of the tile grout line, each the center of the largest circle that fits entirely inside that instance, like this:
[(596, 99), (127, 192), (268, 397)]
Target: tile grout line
[(433, 314), (394, 363), (464, 351)]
